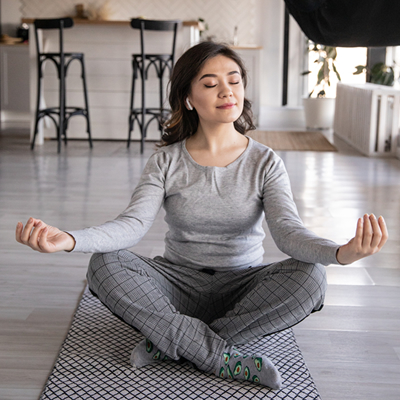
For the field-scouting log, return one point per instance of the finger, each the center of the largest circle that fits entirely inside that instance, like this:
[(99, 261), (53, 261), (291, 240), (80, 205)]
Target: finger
[(18, 231), (26, 232), (367, 234), (42, 241), (376, 232), (384, 230), (359, 232), (34, 237)]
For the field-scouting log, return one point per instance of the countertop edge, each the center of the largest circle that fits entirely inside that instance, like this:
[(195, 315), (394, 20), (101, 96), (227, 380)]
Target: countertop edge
[(80, 21)]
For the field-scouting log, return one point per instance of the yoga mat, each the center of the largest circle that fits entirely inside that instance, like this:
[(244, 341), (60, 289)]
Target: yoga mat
[(93, 364)]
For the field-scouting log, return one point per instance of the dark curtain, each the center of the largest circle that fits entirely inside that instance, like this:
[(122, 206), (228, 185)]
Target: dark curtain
[(348, 23)]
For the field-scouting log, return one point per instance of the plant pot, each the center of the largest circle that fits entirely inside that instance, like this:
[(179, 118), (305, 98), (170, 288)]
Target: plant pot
[(319, 112)]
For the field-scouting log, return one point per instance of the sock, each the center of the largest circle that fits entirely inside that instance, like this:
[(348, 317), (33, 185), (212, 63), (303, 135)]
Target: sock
[(256, 368), (146, 353)]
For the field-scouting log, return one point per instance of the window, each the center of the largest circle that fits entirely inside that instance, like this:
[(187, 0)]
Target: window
[(346, 60)]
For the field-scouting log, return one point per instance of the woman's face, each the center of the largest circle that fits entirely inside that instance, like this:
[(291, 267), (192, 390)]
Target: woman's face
[(217, 92)]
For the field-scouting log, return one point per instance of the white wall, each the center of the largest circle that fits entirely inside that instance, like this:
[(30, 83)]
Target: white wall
[(271, 15), (10, 17)]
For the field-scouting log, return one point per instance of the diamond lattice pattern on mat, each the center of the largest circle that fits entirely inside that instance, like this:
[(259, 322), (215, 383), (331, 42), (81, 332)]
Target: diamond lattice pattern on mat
[(94, 364)]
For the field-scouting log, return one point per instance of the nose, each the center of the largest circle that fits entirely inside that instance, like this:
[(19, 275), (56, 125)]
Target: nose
[(225, 91)]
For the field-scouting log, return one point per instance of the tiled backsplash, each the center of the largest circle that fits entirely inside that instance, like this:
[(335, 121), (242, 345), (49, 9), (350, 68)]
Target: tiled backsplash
[(221, 16)]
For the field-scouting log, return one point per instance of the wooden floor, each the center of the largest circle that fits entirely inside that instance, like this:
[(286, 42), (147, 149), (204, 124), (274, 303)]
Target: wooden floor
[(352, 347)]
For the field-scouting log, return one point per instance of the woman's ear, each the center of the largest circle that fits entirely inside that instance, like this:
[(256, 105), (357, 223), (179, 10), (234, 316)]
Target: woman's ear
[(189, 106)]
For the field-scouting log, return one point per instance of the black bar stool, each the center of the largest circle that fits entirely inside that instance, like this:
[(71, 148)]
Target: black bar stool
[(61, 61), (141, 63)]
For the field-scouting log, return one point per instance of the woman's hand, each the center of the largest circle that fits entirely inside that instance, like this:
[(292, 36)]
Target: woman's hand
[(371, 235), (42, 237)]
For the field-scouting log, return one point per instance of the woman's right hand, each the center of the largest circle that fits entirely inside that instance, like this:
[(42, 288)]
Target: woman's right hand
[(42, 237)]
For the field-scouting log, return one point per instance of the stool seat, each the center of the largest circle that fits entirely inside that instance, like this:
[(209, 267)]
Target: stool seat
[(62, 113), (141, 64)]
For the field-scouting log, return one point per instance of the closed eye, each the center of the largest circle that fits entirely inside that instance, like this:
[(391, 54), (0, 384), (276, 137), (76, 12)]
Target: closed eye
[(212, 86)]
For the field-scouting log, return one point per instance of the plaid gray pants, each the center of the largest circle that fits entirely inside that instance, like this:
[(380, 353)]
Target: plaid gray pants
[(196, 314)]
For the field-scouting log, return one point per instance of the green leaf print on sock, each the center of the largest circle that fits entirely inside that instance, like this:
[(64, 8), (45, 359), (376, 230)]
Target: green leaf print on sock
[(254, 368), (258, 362), (238, 368), (157, 355), (227, 357), (149, 346)]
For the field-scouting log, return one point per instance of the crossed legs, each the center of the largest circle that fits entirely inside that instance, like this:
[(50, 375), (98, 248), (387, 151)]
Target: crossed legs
[(197, 316)]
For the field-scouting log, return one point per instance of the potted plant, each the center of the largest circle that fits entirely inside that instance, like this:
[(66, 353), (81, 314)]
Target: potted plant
[(380, 73), (319, 109)]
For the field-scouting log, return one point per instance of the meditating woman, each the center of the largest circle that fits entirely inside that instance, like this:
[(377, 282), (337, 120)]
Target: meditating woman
[(210, 291)]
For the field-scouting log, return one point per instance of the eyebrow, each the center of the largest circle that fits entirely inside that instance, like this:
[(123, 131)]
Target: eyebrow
[(215, 76)]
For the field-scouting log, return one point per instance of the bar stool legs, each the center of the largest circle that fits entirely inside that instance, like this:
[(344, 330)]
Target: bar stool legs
[(142, 62), (62, 113), (86, 111)]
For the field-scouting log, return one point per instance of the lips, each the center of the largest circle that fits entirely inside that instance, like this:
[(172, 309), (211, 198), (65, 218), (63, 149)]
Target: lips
[(227, 106)]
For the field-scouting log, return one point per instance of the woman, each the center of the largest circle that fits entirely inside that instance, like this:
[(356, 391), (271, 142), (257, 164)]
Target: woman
[(210, 291)]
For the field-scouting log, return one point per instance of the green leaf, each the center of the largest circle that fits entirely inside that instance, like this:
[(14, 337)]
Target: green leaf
[(331, 52), (321, 75), (382, 74), (377, 68), (360, 69), (336, 72)]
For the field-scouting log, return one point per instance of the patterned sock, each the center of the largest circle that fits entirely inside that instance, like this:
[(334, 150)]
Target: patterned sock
[(146, 353), (256, 368)]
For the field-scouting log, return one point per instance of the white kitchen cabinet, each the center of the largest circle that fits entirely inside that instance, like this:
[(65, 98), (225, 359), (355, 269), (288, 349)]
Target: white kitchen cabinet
[(15, 97)]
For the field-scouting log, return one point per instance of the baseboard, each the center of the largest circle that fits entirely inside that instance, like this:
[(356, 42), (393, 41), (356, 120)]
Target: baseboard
[(15, 119)]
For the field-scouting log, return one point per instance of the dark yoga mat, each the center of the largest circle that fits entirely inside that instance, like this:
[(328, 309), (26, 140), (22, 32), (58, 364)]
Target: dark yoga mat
[(93, 363)]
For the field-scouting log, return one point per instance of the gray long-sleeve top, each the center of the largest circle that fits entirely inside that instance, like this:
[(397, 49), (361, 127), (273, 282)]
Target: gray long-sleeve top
[(214, 214)]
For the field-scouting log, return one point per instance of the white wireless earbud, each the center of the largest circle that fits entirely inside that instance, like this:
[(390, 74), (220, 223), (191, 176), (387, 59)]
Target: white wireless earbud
[(188, 104)]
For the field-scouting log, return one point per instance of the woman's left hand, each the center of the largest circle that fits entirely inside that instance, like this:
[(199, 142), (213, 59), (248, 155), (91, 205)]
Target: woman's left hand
[(370, 237)]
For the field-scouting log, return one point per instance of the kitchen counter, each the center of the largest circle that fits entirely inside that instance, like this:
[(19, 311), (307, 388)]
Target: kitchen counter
[(80, 21), (108, 47)]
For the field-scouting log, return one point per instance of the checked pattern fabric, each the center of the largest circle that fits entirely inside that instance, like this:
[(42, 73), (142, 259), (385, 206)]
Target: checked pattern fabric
[(93, 364)]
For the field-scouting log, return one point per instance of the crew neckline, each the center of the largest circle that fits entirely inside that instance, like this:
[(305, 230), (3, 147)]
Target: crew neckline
[(196, 164)]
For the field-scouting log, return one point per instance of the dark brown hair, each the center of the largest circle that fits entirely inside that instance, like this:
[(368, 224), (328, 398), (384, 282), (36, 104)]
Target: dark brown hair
[(183, 122)]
